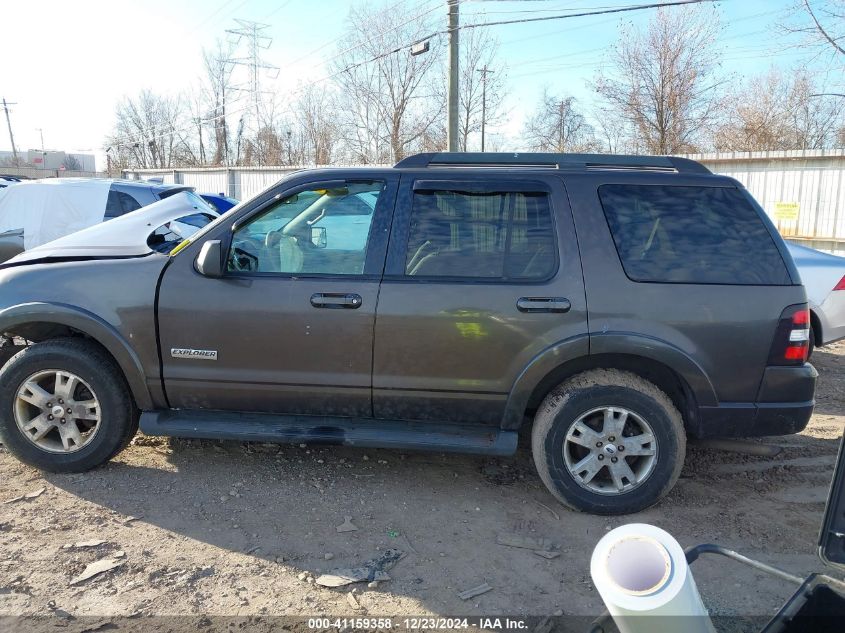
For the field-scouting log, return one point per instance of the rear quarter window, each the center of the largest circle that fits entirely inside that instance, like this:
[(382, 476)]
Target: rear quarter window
[(698, 235)]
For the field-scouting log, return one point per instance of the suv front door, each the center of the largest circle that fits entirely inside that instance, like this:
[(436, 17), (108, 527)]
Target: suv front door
[(483, 274), (289, 326)]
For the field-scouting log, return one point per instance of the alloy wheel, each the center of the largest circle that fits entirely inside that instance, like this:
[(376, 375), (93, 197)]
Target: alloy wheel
[(57, 411), (610, 450)]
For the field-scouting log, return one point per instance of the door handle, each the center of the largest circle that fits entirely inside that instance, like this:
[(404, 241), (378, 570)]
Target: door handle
[(543, 304), (347, 300)]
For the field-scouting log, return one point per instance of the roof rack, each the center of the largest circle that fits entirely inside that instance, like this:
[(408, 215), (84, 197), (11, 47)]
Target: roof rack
[(554, 161)]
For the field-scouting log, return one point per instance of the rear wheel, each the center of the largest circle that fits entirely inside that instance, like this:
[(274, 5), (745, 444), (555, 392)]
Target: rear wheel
[(608, 442), (64, 406)]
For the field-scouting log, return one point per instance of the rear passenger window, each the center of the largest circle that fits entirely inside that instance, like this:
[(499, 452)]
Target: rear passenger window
[(700, 235), (495, 235), (119, 203)]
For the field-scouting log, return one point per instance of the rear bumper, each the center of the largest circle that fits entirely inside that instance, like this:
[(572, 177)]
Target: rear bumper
[(784, 406)]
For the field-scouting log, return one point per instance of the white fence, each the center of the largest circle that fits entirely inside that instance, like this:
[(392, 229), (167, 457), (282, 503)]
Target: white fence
[(802, 191)]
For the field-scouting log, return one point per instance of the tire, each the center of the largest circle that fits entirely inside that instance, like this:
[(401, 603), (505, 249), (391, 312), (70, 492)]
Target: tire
[(811, 346), (574, 415), (103, 413), (8, 349)]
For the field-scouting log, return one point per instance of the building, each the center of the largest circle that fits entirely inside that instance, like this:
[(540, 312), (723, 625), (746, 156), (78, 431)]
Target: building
[(49, 160)]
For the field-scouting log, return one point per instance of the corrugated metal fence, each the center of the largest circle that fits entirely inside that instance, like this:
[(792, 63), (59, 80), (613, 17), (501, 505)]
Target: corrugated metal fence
[(802, 191)]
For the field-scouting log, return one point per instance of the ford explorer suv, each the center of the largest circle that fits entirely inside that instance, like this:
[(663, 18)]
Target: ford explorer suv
[(611, 306)]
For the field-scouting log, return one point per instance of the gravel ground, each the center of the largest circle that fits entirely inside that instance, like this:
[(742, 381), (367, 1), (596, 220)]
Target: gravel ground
[(211, 528)]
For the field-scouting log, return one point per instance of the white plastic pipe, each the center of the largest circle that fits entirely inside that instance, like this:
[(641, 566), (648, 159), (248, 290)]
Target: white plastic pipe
[(642, 575)]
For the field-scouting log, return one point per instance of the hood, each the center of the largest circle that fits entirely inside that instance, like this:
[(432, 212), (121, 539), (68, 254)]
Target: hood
[(155, 228)]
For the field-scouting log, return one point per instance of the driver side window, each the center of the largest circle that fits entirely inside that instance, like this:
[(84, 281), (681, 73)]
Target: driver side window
[(316, 231)]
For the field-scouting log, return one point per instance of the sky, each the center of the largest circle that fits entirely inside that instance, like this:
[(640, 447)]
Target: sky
[(65, 65)]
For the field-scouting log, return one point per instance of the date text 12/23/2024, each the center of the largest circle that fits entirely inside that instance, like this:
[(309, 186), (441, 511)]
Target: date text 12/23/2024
[(420, 623)]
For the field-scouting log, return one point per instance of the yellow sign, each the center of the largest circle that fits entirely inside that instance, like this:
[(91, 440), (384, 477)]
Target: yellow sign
[(786, 210)]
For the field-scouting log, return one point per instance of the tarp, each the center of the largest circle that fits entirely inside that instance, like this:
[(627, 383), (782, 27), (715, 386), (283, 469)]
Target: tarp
[(124, 236), (48, 209)]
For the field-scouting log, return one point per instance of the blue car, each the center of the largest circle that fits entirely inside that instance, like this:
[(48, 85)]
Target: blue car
[(219, 202)]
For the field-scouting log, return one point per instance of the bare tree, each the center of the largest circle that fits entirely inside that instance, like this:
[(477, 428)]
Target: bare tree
[(71, 163), (820, 24), (217, 91), (756, 116), (387, 104), (815, 118), (557, 126), (316, 117), (481, 84), (149, 131), (663, 83), (777, 111)]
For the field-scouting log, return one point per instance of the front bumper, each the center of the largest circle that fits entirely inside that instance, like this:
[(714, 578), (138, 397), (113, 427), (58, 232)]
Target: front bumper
[(784, 406)]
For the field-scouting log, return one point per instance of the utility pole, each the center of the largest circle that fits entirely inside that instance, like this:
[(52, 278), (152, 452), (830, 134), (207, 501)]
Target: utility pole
[(11, 136), (452, 91), (484, 72), (561, 107), (255, 43)]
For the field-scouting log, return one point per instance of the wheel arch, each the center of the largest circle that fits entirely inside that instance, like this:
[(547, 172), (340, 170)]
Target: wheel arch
[(666, 366), (40, 321), (816, 325)]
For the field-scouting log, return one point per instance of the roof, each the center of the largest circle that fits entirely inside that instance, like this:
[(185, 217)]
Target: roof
[(554, 161)]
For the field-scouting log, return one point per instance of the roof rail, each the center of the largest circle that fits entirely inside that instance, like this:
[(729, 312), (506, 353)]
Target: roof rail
[(554, 161)]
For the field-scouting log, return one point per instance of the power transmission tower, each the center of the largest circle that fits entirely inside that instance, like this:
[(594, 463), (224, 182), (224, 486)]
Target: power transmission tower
[(255, 43), (484, 72), (11, 136), (452, 91)]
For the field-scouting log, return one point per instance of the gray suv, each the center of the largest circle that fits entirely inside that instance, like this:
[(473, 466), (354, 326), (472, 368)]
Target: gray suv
[(613, 305)]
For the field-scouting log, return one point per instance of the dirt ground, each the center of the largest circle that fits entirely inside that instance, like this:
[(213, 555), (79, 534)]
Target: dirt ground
[(242, 529)]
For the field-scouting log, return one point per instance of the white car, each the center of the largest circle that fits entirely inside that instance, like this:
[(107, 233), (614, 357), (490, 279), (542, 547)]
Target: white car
[(159, 227), (823, 276), (33, 212)]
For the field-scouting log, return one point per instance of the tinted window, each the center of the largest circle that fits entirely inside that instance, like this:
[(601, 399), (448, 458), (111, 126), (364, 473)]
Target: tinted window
[(119, 203), (496, 235), (691, 235), (315, 231)]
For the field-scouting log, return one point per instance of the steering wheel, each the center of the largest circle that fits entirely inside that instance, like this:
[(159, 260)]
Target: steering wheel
[(241, 259)]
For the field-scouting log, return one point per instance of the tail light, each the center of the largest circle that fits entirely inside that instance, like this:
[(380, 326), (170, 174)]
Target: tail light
[(792, 337), (841, 284)]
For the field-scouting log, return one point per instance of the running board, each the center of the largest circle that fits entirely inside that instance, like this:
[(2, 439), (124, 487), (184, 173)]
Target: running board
[(306, 429)]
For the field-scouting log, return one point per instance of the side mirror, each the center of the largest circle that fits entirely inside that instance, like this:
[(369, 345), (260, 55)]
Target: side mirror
[(210, 261), (319, 237)]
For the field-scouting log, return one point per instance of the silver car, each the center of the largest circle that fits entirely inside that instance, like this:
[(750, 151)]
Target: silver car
[(823, 276)]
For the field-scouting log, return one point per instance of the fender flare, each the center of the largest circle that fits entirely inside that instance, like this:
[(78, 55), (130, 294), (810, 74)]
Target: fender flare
[(92, 325), (627, 343)]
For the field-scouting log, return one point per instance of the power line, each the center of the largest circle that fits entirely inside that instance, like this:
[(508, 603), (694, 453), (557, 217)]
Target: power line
[(639, 7), (436, 33)]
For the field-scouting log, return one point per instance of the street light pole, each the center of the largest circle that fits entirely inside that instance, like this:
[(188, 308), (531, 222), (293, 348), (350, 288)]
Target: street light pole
[(11, 136), (452, 91)]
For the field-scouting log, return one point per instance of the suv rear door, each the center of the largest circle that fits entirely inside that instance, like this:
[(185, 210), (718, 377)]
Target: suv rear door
[(289, 326), (483, 274)]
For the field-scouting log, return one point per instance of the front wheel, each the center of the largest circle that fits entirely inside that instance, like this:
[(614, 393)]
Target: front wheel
[(608, 442), (64, 406)]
